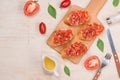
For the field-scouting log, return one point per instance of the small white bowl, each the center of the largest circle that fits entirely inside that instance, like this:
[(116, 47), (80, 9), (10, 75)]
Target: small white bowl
[(54, 71)]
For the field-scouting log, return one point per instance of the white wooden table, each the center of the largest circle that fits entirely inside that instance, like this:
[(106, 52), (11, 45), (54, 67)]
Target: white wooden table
[(21, 44)]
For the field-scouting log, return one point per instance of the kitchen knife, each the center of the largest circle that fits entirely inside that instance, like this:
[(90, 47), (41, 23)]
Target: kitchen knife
[(116, 59)]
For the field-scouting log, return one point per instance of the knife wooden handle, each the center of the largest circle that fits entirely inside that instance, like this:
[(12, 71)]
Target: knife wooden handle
[(116, 59), (97, 75)]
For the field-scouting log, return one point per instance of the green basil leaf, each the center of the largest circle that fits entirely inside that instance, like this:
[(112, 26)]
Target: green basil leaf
[(100, 45), (66, 70), (52, 11), (115, 3)]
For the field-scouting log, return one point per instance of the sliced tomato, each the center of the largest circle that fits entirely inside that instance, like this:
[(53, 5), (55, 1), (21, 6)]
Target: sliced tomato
[(92, 63), (62, 36), (31, 8), (76, 49)]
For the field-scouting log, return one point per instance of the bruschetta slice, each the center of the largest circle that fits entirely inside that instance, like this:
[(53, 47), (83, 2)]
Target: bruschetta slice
[(60, 37), (76, 18), (90, 31), (74, 50)]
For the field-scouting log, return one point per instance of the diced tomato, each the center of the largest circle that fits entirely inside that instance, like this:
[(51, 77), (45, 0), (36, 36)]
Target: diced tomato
[(31, 8), (62, 36), (91, 31), (78, 17), (76, 49), (99, 28), (92, 63)]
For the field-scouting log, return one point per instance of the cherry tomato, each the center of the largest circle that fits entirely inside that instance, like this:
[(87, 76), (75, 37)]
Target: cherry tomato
[(42, 28), (99, 28), (65, 3), (92, 63), (31, 8)]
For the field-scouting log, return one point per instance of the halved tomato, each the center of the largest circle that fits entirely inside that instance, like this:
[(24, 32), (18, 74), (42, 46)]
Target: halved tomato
[(92, 63), (31, 8)]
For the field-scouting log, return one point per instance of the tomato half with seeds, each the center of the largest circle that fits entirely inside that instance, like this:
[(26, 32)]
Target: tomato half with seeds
[(31, 8), (92, 63)]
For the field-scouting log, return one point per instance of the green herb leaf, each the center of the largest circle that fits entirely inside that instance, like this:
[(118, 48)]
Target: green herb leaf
[(115, 3), (100, 45), (67, 71), (52, 11)]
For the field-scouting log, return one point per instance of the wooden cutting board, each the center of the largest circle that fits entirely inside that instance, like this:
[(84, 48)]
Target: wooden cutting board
[(93, 8)]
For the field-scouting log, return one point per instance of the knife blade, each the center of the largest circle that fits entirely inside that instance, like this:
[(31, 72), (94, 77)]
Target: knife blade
[(116, 59)]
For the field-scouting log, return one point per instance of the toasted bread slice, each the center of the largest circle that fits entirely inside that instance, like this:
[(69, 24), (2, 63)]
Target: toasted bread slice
[(90, 31), (74, 51), (77, 18), (87, 38), (60, 37)]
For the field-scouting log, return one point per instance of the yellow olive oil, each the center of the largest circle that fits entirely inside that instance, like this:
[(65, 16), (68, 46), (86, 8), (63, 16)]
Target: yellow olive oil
[(49, 63)]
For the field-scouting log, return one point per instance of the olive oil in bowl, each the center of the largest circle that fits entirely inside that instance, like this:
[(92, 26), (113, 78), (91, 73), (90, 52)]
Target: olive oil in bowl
[(50, 65)]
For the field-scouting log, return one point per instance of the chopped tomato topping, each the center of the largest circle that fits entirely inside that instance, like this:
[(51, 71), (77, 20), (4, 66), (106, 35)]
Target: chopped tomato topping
[(91, 31), (62, 36), (76, 49), (78, 17)]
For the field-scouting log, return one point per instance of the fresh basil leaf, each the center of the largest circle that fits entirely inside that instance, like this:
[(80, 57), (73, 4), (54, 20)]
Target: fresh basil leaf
[(66, 70), (52, 11), (100, 45), (115, 3)]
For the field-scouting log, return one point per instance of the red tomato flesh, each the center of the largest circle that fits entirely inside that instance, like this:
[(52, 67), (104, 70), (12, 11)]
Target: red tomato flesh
[(62, 36), (31, 8), (78, 17), (91, 31), (76, 49), (92, 63)]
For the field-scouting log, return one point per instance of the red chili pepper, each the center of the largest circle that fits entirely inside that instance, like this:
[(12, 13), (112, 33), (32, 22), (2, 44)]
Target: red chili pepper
[(42, 28), (65, 3)]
